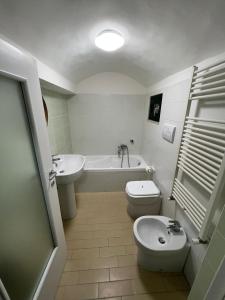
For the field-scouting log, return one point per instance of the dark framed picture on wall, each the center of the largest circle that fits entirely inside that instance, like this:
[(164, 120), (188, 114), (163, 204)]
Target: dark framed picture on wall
[(155, 107)]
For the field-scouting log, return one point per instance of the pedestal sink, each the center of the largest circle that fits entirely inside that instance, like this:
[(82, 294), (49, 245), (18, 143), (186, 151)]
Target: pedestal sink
[(69, 167)]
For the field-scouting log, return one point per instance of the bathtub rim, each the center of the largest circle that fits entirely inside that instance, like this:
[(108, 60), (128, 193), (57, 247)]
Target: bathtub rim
[(142, 166)]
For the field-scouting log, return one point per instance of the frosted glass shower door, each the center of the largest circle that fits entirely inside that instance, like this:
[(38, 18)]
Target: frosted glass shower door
[(26, 241)]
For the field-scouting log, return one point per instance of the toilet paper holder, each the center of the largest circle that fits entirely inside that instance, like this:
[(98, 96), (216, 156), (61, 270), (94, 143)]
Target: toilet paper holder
[(149, 169)]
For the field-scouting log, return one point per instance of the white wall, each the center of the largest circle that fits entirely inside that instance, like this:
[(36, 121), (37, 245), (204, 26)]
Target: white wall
[(163, 155), (49, 78), (156, 151), (110, 83), (58, 122), (99, 123)]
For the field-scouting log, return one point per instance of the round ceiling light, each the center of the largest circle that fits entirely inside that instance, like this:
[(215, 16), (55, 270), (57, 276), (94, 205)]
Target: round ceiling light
[(109, 40)]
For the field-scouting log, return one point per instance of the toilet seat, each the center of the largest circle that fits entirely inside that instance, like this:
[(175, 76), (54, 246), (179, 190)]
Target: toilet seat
[(140, 189)]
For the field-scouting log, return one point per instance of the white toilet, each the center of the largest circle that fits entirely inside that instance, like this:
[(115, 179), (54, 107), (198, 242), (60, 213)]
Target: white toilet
[(159, 249), (143, 198)]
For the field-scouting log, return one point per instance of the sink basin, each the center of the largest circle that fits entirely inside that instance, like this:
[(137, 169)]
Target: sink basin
[(69, 167)]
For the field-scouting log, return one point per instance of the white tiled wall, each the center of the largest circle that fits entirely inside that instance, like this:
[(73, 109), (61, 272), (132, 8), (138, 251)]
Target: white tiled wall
[(158, 152), (163, 155), (58, 123), (99, 123)]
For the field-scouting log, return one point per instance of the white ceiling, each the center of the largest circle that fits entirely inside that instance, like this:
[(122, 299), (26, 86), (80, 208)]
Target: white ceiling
[(162, 36)]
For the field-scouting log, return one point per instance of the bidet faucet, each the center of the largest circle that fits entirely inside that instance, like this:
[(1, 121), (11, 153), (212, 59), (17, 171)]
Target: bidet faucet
[(174, 226)]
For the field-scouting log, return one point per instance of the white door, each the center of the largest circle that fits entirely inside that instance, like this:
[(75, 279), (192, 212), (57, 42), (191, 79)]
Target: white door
[(32, 249)]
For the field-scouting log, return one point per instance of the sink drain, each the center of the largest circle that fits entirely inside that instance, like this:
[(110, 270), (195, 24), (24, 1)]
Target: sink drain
[(161, 240)]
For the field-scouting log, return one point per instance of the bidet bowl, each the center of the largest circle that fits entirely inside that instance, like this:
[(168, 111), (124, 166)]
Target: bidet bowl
[(159, 249)]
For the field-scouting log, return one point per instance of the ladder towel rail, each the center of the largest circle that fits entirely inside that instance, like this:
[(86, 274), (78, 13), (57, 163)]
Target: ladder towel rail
[(201, 158)]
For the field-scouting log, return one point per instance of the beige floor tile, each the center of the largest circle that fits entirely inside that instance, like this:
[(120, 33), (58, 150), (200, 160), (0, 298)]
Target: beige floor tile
[(158, 296), (127, 260), (60, 294), (68, 228), (72, 227), (120, 241), (114, 298), (114, 226), (146, 285), (107, 219), (94, 276), (92, 243), (84, 253), (103, 262), (69, 254), (76, 265), (131, 249), (81, 292), (176, 283), (79, 235), (102, 248), (112, 251), (124, 273), (120, 233), (91, 263), (69, 278), (142, 297), (116, 288)]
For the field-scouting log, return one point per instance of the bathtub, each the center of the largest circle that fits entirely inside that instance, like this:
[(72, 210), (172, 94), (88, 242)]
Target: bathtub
[(103, 173), (112, 163)]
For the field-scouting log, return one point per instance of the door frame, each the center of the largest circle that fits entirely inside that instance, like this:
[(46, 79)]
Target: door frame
[(21, 66)]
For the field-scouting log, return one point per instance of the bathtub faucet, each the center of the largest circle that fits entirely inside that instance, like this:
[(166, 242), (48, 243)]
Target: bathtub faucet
[(121, 150)]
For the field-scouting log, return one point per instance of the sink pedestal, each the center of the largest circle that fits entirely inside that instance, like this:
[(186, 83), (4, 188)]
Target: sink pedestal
[(67, 200)]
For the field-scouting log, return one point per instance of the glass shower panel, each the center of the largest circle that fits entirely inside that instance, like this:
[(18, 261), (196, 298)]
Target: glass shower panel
[(26, 241)]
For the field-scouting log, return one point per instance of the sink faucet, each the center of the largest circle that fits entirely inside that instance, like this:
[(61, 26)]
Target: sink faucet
[(174, 226), (55, 159)]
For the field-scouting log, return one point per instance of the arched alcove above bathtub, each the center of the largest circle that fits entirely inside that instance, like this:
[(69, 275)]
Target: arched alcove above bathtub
[(110, 83)]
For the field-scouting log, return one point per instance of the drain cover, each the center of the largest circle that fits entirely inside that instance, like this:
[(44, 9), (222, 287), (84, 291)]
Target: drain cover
[(161, 240)]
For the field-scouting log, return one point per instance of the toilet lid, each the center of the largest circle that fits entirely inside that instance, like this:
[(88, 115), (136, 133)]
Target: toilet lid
[(142, 188)]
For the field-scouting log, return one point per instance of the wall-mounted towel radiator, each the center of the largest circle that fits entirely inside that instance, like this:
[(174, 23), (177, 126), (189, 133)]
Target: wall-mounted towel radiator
[(201, 161)]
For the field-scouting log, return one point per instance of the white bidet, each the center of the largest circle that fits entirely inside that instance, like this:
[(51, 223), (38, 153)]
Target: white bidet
[(159, 248)]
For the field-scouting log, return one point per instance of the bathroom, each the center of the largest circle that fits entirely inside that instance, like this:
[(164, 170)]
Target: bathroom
[(124, 144)]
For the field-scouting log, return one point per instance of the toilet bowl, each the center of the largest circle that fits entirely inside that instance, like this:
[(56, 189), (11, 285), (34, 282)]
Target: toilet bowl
[(143, 198), (159, 249)]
